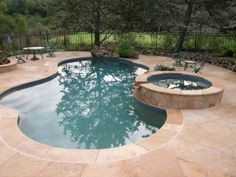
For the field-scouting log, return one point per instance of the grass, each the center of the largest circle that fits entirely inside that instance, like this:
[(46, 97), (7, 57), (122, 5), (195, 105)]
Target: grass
[(148, 41)]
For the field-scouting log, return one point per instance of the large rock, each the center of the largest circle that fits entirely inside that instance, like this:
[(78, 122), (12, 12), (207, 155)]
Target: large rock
[(134, 55), (234, 68), (105, 50)]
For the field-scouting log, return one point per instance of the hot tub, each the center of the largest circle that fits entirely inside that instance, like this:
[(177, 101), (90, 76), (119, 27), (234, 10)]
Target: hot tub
[(179, 81), (179, 90)]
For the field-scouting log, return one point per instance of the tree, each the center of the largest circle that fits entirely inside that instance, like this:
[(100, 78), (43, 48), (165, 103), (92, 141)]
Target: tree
[(161, 14), (31, 15), (220, 14), (23, 7), (21, 24), (185, 23), (183, 13), (212, 13), (6, 22), (3, 7), (92, 15), (130, 14)]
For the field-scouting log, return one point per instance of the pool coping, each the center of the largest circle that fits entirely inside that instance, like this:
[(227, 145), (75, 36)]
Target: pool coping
[(13, 138), (165, 98), (142, 80)]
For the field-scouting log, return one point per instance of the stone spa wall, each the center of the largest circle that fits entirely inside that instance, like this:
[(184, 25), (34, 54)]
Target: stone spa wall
[(178, 99)]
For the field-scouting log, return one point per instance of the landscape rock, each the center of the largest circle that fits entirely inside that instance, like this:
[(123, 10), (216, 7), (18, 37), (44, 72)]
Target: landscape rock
[(105, 50), (234, 68)]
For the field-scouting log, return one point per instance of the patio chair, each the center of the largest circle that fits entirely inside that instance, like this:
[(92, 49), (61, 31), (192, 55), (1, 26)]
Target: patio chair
[(179, 58), (20, 57), (50, 51), (199, 67)]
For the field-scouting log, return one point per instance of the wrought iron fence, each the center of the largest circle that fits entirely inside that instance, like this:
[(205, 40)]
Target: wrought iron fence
[(142, 40)]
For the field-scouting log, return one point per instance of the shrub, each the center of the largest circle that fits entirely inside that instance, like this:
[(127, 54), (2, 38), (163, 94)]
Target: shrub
[(124, 48), (125, 43), (228, 50), (226, 53), (3, 58), (163, 68)]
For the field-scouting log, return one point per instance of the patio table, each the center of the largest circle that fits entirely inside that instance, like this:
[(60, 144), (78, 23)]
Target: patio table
[(188, 62), (34, 51)]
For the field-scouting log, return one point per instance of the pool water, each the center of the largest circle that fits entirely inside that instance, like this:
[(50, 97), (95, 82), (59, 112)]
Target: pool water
[(180, 84), (180, 81), (89, 105)]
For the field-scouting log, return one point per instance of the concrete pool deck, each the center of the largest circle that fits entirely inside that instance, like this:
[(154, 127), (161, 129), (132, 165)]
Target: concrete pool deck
[(203, 146)]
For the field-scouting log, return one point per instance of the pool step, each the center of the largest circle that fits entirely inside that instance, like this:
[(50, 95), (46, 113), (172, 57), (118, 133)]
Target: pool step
[(22, 102)]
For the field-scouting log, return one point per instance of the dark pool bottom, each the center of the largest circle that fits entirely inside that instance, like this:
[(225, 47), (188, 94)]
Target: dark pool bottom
[(89, 105), (180, 81)]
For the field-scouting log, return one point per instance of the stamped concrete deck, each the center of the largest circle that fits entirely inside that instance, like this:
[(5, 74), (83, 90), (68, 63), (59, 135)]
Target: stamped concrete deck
[(203, 146)]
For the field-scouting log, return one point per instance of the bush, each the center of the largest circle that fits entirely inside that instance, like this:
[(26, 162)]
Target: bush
[(3, 58), (163, 68), (228, 50), (125, 43), (124, 47), (226, 53)]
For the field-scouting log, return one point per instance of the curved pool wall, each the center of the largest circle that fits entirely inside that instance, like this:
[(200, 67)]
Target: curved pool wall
[(40, 81), (166, 98), (179, 81), (155, 112)]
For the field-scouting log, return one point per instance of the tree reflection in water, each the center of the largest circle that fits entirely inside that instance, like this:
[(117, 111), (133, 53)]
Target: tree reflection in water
[(97, 108)]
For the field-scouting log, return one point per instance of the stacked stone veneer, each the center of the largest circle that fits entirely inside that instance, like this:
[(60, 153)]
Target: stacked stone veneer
[(225, 62), (169, 98)]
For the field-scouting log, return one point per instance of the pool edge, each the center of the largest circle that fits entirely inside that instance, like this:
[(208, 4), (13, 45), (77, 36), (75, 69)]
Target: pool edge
[(24, 145)]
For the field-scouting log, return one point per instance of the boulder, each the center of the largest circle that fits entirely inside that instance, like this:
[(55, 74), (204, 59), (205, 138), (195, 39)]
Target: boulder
[(234, 68), (105, 50), (134, 55), (115, 55)]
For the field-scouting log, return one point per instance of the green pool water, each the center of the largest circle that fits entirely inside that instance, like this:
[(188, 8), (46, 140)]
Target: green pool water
[(89, 105)]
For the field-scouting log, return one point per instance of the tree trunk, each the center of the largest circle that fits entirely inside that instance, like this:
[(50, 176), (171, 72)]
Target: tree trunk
[(184, 28), (97, 38), (1, 42), (97, 23)]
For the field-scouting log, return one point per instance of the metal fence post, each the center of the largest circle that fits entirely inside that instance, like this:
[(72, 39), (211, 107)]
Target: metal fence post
[(27, 40), (47, 37), (91, 38), (20, 41), (41, 38), (195, 41), (156, 41), (64, 38)]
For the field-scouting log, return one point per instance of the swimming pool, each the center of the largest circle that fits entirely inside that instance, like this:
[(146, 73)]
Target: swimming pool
[(88, 105)]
